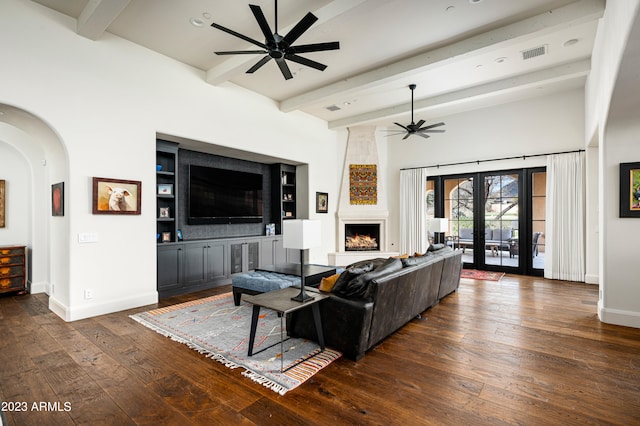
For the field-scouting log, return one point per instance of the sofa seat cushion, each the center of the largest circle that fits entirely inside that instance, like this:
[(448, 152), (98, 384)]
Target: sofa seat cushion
[(263, 281)]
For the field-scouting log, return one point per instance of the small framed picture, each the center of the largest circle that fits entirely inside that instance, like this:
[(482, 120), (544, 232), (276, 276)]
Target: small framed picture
[(179, 234), (322, 202), (166, 237), (164, 212), (116, 196), (629, 190), (57, 199), (165, 189)]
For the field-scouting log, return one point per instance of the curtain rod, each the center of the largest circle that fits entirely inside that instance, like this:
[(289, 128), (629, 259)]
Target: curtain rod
[(524, 157)]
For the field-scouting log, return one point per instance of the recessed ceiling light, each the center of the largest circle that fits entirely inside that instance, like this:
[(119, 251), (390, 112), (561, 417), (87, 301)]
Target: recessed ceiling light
[(196, 22), (474, 1), (501, 59), (570, 42), (450, 9), (206, 15)]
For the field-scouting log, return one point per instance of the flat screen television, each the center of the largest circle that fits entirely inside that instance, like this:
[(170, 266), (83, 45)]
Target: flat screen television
[(218, 196)]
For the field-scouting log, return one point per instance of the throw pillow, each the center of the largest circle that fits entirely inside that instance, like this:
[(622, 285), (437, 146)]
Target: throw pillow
[(327, 283)]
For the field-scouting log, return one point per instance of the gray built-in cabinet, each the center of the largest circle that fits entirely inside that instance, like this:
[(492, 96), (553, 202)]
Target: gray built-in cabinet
[(202, 263)]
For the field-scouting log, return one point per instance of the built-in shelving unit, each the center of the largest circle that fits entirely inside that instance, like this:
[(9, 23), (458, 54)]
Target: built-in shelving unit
[(283, 194), (166, 190)]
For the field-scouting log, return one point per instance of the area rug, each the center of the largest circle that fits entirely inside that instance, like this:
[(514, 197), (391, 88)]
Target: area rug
[(216, 327), (481, 275)]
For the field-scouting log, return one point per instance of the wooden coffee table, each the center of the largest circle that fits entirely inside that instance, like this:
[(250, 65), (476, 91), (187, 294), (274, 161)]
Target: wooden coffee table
[(280, 301)]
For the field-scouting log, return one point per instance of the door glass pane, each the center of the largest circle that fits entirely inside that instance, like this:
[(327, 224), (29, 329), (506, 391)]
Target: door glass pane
[(501, 219), (539, 200), (431, 204), (458, 208)]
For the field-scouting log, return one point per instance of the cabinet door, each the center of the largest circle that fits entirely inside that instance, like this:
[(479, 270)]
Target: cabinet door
[(235, 252), (272, 252), (252, 255), (216, 261), (195, 263), (169, 267)]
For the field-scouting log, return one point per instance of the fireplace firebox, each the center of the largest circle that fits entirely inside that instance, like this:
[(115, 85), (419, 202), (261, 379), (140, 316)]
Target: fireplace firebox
[(362, 237)]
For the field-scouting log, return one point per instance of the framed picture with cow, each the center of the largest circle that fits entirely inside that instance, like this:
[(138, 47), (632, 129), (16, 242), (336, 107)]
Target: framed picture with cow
[(116, 196)]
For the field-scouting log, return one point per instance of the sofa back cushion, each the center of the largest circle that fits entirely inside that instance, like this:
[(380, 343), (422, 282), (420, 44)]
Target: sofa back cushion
[(466, 234)]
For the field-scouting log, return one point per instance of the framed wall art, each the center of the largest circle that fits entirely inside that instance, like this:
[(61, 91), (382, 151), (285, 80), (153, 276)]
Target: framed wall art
[(57, 199), (322, 202), (630, 189), (165, 189), (116, 196)]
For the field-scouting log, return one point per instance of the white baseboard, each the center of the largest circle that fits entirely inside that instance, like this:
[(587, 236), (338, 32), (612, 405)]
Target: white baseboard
[(592, 279), (618, 316), (39, 287), (95, 309)]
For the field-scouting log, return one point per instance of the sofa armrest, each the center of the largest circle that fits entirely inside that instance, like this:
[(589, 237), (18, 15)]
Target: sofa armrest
[(345, 324)]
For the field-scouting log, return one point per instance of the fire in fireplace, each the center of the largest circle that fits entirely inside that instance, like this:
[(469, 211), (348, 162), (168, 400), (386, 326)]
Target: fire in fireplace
[(361, 237)]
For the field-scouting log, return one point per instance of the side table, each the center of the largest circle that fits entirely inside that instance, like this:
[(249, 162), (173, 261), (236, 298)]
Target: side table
[(280, 301)]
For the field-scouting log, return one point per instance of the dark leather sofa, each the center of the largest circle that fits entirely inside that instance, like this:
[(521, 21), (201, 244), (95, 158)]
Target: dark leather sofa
[(397, 291)]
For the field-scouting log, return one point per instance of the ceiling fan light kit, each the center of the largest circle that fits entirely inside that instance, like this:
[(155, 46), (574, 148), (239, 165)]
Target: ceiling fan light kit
[(277, 47), (416, 128)]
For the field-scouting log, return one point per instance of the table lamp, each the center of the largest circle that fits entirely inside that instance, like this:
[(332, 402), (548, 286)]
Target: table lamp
[(301, 234), (438, 226)]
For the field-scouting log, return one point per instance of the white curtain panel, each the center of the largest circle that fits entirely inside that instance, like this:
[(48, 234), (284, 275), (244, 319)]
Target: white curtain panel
[(413, 211), (565, 220)]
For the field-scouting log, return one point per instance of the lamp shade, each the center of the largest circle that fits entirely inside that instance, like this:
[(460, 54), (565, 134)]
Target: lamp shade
[(438, 225), (301, 234)]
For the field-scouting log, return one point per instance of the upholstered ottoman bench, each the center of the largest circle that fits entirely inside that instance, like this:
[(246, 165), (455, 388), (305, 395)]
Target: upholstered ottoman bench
[(256, 282)]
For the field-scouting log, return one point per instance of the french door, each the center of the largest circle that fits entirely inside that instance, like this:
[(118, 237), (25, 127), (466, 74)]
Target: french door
[(493, 218)]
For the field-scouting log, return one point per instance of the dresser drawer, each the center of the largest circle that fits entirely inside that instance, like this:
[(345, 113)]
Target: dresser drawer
[(7, 284), (11, 260), (11, 251), (9, 271)]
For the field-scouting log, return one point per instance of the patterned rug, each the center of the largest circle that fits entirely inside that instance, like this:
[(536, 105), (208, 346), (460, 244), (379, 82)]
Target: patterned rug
[(216, 327), (481, 275)]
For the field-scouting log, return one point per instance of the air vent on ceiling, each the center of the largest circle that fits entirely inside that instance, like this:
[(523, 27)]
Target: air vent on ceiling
[(333, 108), (534, 52)]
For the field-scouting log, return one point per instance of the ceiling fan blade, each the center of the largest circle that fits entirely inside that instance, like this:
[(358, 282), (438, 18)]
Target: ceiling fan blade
[(284, 68), (262, 21), (406, 136), (241, 36), (432, 126), (302, 26), (398, 124), (305, 61), (315, 47), (258, 64), (423, 130), (423, 135), (240, 52), (420, 123)]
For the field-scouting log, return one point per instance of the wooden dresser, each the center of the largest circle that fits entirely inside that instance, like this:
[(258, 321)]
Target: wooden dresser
[(13, 268)]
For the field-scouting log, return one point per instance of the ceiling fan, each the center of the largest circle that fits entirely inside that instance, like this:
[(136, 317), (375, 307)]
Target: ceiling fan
[(278, 47), (415, 128)]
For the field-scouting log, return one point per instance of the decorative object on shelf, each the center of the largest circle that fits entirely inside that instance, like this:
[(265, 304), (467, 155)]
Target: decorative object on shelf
[(270, 229), (179, 234), (164, 212), (116, 196), (416, 129), (363, 184), (166, 237), (165, 189), (629, 189), (158, 167), (2, 192), (322, 202), (278, 47), (301, 234), (57, 199)]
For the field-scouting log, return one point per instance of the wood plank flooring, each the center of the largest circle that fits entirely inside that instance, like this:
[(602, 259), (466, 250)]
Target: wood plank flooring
[(520, 351)]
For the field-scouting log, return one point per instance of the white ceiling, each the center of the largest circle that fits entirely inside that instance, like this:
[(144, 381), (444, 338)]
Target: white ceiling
[(449, 48)]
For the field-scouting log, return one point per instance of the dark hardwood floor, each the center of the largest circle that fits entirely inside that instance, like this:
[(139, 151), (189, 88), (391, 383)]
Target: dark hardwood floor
[(520, 351)]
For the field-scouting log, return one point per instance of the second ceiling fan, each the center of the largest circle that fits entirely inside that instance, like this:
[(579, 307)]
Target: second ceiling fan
[(415, 128), (278, 47)]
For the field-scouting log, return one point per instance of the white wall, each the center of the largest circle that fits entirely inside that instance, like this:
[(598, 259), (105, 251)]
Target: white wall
[(14, 170), (535, 126), (106, 100)]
